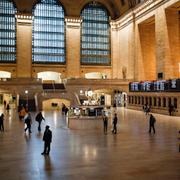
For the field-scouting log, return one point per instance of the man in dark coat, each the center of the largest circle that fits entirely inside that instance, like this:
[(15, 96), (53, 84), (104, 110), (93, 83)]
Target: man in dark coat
[(2, 122), (47, 138), (105, 121), (115, 124), (152, 121), (39, 118), (28, 121)]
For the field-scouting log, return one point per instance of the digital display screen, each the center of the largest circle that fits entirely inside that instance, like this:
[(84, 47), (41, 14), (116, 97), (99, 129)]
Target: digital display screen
[(172, 85)]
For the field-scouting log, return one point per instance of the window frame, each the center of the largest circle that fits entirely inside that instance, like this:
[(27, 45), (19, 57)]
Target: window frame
[(15, 38), (49, 62), (109, 32)]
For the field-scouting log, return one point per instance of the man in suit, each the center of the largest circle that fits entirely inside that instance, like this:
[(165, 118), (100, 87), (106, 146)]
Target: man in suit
[(152, 121), (2, 122), (115, 124), (105, 121), (39, 118), (28, 121), (47, 138)]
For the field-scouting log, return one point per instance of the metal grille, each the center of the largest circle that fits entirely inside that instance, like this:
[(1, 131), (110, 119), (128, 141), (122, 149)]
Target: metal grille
[(95, 41), (7, 32), (48, 33)]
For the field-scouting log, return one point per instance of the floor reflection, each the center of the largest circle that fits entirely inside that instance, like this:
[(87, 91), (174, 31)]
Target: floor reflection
[(48, 166), (80, 154)]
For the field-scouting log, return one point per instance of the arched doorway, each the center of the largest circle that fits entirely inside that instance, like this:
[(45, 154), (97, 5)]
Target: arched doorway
[(54, 104), (49, 77), (96, 75), (5, 74)]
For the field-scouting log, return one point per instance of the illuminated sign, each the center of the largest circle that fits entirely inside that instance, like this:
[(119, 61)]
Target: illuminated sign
[(172, 85)]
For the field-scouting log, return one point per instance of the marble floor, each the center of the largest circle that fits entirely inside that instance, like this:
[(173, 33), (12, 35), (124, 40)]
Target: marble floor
[(132, 154)]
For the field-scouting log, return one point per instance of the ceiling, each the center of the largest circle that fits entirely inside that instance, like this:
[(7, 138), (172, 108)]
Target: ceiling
[(74, 7)]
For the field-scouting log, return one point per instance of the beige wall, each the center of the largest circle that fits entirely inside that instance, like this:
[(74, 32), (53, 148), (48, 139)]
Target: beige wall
[(148, 41), (126, 52), (73, 31), (138, 50), (173, 29), (47, 104), (147, 50), (24, 49)]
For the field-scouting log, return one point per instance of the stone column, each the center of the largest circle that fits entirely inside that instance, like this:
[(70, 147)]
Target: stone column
[(114, 50), (163, 57), (24, 45), (73, 39)]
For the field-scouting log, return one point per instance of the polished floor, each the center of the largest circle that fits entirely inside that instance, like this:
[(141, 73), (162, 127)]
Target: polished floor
[(132, 154)]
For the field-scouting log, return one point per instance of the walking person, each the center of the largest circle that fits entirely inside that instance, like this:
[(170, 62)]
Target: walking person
[(22, 113), (115, 119), (2, 122), (39, 118), (47, 138), (152, 121), (7, 107), (4, 104), (105, 122), (28, 121), (171, 109)]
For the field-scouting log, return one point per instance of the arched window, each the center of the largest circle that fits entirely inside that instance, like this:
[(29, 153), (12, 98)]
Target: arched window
[(142, 100), (48, 33), (159, 102), (164, 102), (155, 103), (95, 40), (7, 32), (175, 103), (150, 101)]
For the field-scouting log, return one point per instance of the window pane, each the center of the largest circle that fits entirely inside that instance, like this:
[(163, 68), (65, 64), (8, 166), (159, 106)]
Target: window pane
[(95, 42), (7, 32), (48, 33)]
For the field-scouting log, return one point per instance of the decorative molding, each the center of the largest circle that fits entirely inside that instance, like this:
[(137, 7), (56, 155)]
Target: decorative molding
[(23, 18), (118, 24), (135, 13), (73, 22)]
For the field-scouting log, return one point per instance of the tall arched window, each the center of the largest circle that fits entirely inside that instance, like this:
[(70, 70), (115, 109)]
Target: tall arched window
[(95, 41), (7, 32), (48, 33)]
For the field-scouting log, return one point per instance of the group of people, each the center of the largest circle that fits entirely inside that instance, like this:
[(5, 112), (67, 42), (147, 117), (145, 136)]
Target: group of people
[(105, 121), (146, 109), (47, 137)]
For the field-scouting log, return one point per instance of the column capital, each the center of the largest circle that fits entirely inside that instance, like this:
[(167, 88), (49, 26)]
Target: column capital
[(24, 18), (73, 22)]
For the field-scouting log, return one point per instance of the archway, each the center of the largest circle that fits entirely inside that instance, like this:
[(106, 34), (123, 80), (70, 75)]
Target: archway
[(95, 75), (54, 104), (50, 76), (5, 74)]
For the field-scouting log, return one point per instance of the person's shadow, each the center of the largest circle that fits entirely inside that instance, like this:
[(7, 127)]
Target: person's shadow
[(48, 167), (27, 137), (39, 135)]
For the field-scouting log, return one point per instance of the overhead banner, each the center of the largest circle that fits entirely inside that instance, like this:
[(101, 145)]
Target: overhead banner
[(172, 85)]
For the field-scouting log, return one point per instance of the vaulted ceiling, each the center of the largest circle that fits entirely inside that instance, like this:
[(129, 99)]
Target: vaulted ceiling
[(74, 7)]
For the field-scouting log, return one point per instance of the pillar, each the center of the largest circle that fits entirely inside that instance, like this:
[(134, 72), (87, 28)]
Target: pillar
[(73, 34), (24, 45)]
